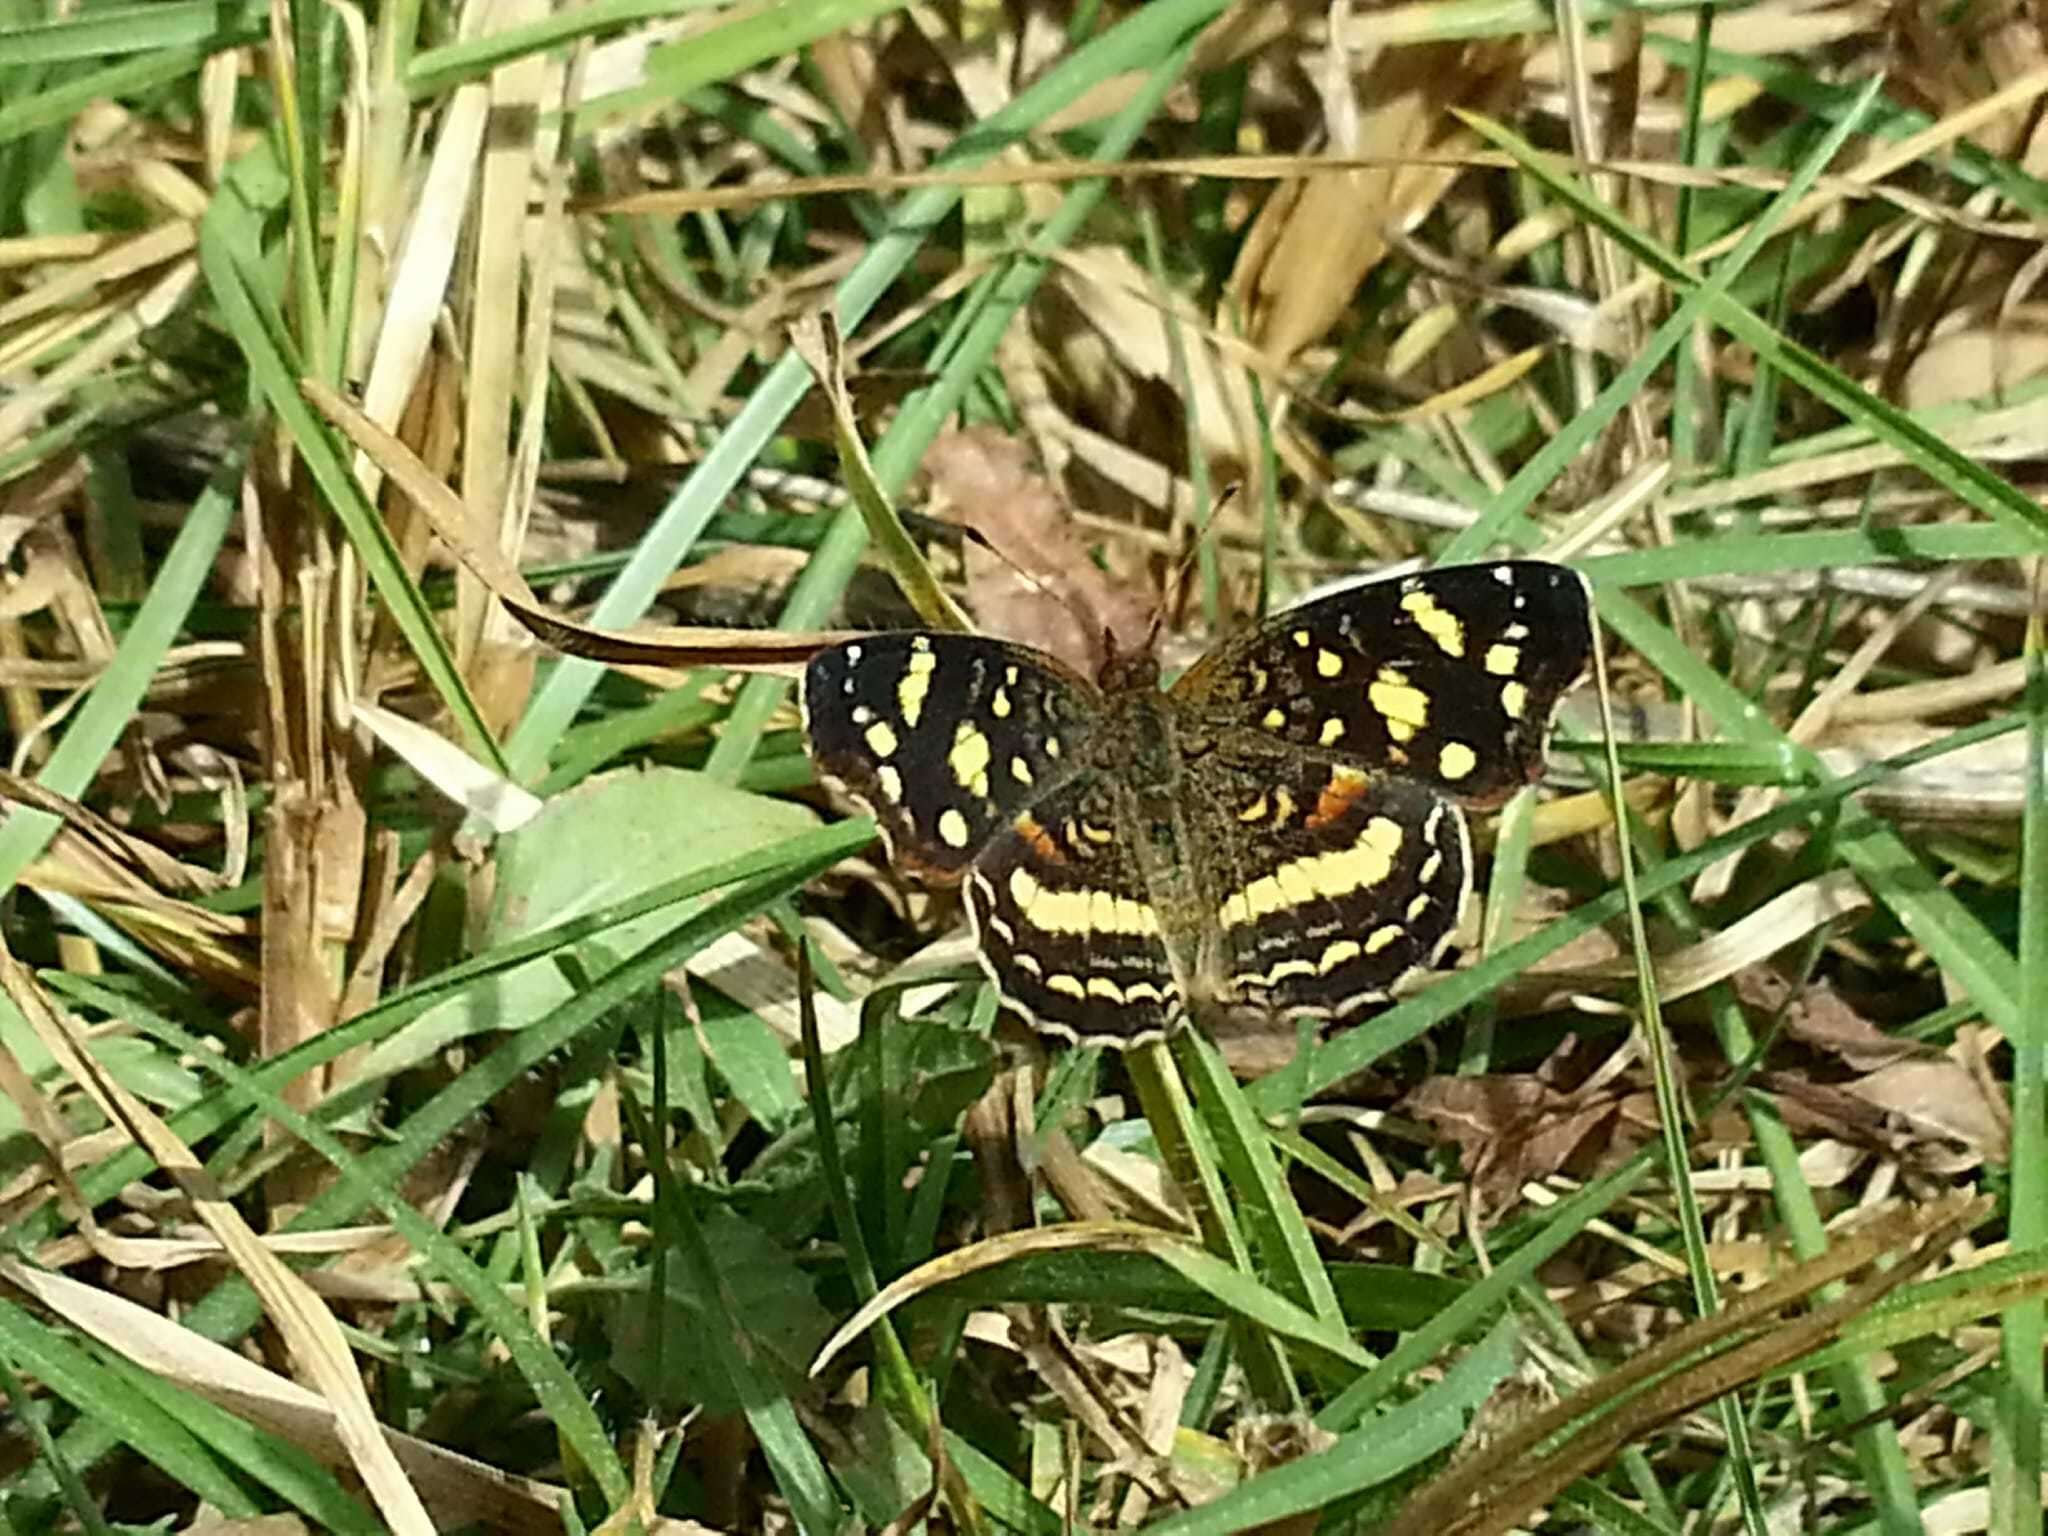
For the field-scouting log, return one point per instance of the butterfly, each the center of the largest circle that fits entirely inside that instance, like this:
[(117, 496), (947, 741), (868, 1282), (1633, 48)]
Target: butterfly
[(1283, 828)]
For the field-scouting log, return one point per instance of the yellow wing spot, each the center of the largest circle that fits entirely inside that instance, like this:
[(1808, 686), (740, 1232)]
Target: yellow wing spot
[(1363, 865), (1070, 985), (1437, 622), (953, 829), (1418, 906), (881, 739), (1020, 770), (1102, 913), (1513, 699), (1025, 962), (1329, 664), (892, 783), (1301, 638), (1260, 678), (1256, 811), (1275, 976), (1295, 884), (999, 706), (1283, 808), (1079, 911), (1103, 987), (1096, 835), (1380, 938), (1502, 660), (915, 684), (1400, 703), (1456, 760), (969, 760), (1343, 952), (1010, 676), (1430, 866), (1263, 896), (1333, 732), (1274, 719), (1052, 747)]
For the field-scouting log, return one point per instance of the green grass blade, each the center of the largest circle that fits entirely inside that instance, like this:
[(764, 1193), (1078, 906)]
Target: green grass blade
[(2017, 1429), (115, 698)]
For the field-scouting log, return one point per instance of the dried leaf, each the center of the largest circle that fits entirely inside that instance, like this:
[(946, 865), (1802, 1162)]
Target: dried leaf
[(1035, 583)]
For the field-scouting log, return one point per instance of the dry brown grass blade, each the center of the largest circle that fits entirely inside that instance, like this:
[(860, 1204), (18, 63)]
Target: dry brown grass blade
[(1498, 1486), (124, 848), (419, 282), (668, 648), (493, 366), (1926, 701), (113, 329), (46, 1126), (150, 249), (309, 1329), (456, 1490), (136, 886)]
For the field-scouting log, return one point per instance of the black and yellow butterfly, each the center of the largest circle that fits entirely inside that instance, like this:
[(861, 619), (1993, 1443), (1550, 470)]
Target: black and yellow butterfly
[(1283, 827)]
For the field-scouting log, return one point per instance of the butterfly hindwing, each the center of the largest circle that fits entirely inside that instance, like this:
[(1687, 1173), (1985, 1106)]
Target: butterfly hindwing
[(1066, 924), (943, 737), (1449, 677), (1331, 884)]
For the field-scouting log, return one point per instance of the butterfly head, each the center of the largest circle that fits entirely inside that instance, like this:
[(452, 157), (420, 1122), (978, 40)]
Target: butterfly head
[(1122, 670)]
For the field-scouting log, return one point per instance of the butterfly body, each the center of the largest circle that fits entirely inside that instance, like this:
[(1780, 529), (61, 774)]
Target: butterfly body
[(1280, 829)]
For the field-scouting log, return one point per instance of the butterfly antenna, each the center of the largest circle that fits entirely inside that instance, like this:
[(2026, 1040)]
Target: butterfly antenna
[(969, 534), (1175, 600)]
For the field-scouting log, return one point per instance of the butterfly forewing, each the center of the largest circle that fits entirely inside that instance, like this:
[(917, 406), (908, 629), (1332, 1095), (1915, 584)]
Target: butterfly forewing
[(944, 737), (1449, 677)]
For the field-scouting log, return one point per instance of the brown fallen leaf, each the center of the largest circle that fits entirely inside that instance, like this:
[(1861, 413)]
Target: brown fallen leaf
[(1035, 582), (1939, 1100), (1820, 1017), (1514, 1128), (1924, 1096)]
